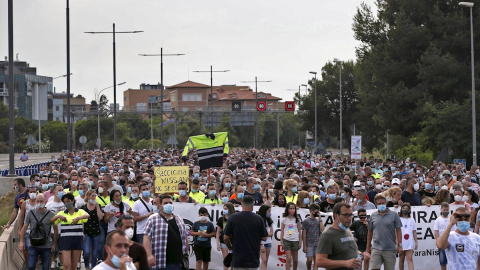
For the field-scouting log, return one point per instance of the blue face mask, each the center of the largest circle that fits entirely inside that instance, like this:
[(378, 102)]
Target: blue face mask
[(129, 190), (60, 195), (295, 164), (363, 173), (81, 192), (155, 209), (306, 201), (116, 261), (145, 193), (224, 199), (343, 195), (114, 183), (44, 187), (436, 188), (91, 201), (294, 189), (196, 175), (240, 195), (280, 175), (369, 183), (428, 186), (182, 193), (65, 182), (50, 185), (168, 208), (228, 185), (256, 187), (382, 208), (225, 212), (75, 183), (194, 190), (463, 226), (212, 193), (322, 178), (134, 195), (322, 194), (332, 196), (341, 226), (244, 188)]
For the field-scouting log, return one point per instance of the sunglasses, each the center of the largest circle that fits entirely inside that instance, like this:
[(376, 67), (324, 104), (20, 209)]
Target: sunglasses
[(463, 216)]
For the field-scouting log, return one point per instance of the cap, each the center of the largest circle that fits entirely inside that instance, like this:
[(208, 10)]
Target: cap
[(356, 183), (446, 172), (396, 181)]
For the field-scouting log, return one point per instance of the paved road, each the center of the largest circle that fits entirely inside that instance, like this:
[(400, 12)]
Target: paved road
[(32, 159)]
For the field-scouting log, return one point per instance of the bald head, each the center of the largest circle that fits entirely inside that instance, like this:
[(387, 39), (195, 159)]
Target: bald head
[(40, 199)]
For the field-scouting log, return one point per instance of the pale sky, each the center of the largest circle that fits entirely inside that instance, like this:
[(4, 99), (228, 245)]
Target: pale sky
[(274, 40)]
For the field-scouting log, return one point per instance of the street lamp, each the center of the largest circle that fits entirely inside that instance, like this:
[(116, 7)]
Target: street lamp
[(315, 73), (474, 122), (97, 99), (341, 131), (115, 79), (11, 90), (211, 88), (161, 91), (306, 88), (38, 111)]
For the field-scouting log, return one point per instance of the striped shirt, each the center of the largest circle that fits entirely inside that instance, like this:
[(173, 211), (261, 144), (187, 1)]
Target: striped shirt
[(69, 229), (157, 229)]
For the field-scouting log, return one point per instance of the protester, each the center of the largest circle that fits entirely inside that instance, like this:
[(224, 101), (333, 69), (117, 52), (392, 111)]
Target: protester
[(92, 229), (461, 246), (265, 212), (410, 194), (312, 227), (202, 232), (18, 186), (359, 230), (165, 236), (290, 235), (291, 190), (135, 250), (117, 245), (115, 209), (228, 210), (439, 227), (142, 209), (409, 235), (26, 207), (361, 201), (327, 205)]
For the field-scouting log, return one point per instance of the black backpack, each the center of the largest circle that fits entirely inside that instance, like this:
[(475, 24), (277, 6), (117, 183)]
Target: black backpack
[(37, 237)]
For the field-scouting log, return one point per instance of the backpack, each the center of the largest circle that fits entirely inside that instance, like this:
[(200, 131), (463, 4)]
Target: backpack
[(37, 237)]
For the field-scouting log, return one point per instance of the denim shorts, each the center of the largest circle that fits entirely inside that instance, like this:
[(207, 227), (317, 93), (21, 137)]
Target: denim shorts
[(222, 245), (267, 245), (311, 251), (442, 257)]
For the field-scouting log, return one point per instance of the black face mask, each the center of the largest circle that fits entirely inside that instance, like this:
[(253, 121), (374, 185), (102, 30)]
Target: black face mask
[(316, 214), (406, 212), (362, 217), (445, 214)]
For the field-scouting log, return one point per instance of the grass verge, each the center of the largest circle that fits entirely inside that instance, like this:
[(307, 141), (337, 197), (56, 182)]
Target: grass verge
[(6, 208)]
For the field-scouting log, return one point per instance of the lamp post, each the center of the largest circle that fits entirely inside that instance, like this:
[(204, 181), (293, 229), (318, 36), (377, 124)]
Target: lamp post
[(306, 88), (161, 91), (315, 73), (341, 124), (97, 98), (474, 122), (211, 88), (255, 136), (69, 128), (115, 79), (11, 90)]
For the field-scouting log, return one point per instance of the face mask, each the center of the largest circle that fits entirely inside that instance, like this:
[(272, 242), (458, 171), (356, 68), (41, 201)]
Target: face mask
[(134, 195), (40, 205), (291, 212), (212, 193), (382, 208), (91, 201), (322, 178), (244, 188), (436, 188), (224, 199), (306, 201), (60, 194), (369, 183), (332, 196), (405, 212), (115, 260), (341, 226), (379, 186), (168, 208), (155, 209), (44, 187), (81, 192), (203, 218), (33, 196), (69, 206), (418, 171), (182, 193), (463, 226), (50, 185), (359, 200), (145, 193), (343, 196), (416, 186), (129, 233), (445, 187), (428, 186), (100, 190), (228, 185), (129, 190), (225, 212), (196, 175), (65, 182), (458, 198), (280, 175), (256, 187), (75, 183), (294, 189), (240, 195), (445, 214), (362, 217), (114, 183), (464, 198), (202, 187)]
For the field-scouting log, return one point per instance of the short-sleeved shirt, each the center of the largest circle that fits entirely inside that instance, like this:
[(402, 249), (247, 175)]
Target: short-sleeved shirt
[(414, 199), (463, 251), (338, 245), (383, 227), (206, 228), (140, 207), (367, 206), (291, 229), (246, 230), (441, 224), (20, 198), (221, 223), (257, 197), (45, 227), (112, 211), (325, 206), (360, 232), (312, 228), (68, 229), (408, 228)]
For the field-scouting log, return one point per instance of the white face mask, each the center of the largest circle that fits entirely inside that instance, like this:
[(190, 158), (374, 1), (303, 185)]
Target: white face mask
[(33, 196), (457, 198), (416, 186), (203, 218), (129, 233), (465, 198), (445, 187), (100, 190), (379, 186)]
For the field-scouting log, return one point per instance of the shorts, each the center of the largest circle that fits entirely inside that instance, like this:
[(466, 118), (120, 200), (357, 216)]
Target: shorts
[(385, 257), (268, 245), (442, 256), (290, 245), (222, 245), (27, 241), (311, 251), (202, 253)]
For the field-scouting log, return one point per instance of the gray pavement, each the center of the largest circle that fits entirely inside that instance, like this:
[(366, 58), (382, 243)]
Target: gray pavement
[(32, 159)]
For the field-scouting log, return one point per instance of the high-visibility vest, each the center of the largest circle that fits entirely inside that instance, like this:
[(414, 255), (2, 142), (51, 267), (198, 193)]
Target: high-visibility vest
[(211, 149)]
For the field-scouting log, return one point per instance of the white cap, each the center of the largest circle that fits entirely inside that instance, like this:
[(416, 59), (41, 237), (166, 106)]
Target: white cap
[(356, 183), (396, 181)]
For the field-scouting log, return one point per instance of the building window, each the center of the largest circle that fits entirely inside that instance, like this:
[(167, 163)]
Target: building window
[(234, 95), (214, 95), (192, 97), (261, 95), (57, 108)]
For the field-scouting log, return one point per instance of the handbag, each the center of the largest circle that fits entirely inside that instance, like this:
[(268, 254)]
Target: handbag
[(227, 262), (185, 262)]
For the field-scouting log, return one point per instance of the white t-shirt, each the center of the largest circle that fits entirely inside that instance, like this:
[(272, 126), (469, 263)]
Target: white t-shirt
[(141, 210), (79, 202), (112, 210), (463, 251), (408, 226), (55, 208), (104, 266), (441, 224), (290, 232)]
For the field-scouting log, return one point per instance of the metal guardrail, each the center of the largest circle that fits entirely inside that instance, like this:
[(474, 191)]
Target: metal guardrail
[(25, 170)]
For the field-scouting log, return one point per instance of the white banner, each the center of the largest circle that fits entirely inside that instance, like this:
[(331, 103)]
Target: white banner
[(356, 147), (425, 257)]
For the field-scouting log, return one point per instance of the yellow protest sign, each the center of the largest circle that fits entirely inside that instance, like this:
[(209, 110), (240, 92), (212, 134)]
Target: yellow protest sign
[(168, 177)]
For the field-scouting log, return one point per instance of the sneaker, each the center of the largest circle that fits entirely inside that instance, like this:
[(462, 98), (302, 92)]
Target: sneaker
[(79, 266), (53, 265)]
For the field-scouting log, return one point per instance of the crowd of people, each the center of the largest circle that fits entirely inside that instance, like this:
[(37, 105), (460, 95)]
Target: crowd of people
[(103, 204)]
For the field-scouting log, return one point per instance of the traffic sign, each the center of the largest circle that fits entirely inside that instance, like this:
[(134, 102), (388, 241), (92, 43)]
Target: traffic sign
[(83, 139), (261, 106), (236, 106), (289, 106)]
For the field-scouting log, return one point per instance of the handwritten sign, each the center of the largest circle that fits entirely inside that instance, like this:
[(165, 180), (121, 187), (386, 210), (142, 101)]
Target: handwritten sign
[(168, 177)]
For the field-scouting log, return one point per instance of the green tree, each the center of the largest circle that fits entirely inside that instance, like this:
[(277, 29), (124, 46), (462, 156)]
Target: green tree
[(56, 132)]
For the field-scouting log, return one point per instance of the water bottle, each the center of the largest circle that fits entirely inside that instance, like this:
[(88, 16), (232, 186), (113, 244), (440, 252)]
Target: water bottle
[(359, 258), (130, 266)]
